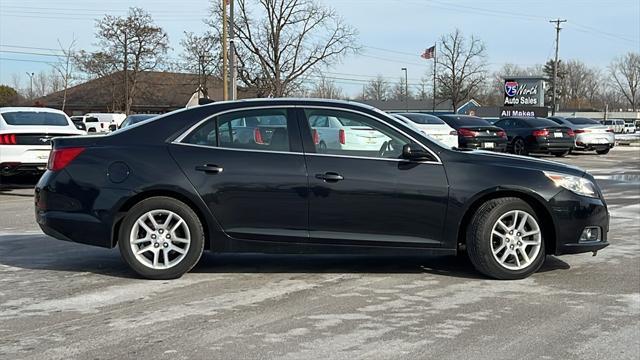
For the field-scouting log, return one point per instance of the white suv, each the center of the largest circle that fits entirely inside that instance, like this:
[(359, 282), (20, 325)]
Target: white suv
[(25, 137)]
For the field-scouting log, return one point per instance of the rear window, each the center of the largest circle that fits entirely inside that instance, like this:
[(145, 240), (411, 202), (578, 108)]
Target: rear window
[(34, 118), (91, 119), (538, 122), (583, 121), (424, 119), (465, 120)]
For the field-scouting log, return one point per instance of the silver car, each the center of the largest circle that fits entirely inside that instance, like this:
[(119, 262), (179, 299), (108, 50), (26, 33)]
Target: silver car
[(590, 134)]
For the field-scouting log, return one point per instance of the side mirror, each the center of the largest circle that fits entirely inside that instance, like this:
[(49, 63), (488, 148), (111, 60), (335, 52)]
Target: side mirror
[(113, 127), (415, 152)]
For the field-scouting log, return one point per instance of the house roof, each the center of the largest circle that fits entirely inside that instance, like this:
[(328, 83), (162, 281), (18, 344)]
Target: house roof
[(156, 91)]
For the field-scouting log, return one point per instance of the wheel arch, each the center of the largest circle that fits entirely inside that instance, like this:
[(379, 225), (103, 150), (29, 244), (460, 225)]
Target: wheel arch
[(532, 199), (133, 200)]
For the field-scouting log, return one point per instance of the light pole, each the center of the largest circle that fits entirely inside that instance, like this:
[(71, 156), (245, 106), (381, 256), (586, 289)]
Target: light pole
[(406, 89), (30, 75)]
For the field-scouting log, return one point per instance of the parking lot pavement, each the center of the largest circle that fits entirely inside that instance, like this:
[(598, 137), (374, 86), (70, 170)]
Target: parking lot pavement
[(60, 300)]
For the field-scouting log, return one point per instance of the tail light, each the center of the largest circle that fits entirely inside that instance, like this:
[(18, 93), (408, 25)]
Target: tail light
[(316, 137), (502, 134), (581, 131), (454, 133), (257, 136), (571, 133), (60, 158), (543, 132), (610, 130), (342, 137), (467, 133), (8, 139)]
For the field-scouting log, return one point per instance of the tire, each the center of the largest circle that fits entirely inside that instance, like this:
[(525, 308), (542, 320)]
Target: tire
[(168, 238), (603, 151), (560, 153), (91, 130), (481, 241), (519, 147)]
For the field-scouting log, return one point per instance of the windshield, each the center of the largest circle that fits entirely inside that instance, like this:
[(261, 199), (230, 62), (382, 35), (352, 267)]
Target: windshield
[(35, 118), (583, 121)]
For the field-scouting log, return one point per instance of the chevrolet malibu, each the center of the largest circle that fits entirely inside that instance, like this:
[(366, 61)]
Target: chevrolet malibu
[(166, 189)]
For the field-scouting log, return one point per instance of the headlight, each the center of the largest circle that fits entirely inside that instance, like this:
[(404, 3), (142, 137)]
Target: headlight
[(578, 185)]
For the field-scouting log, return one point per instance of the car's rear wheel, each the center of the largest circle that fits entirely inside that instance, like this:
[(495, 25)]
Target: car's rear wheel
[(504, 239), (161, 238), (519, 147), (603, 151), (560, 153)]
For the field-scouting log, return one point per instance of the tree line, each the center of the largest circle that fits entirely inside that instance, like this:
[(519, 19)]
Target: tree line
[(283, 48)]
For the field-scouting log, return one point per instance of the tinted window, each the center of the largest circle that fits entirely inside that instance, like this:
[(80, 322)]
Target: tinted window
[(134, 119), (585, 121), (557, 121), (35, 118), (91, 119), (462, 120), (256, 130), (539, 122), (359, 136), (424, 119), (507, 123)]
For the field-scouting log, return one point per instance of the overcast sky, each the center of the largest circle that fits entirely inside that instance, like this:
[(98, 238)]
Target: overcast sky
[(393, 33)]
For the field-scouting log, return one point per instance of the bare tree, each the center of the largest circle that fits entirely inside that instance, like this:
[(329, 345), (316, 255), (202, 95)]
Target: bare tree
[(461, 67), (65, 67), (130, 45), (326, 89), (399, 90), (625, 74), (40, 84), (201, 55), (377, 89), (278, 42), (422, 92)]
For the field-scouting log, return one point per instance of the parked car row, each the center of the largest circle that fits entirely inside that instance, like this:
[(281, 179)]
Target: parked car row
[(26, 133), (518, 135)]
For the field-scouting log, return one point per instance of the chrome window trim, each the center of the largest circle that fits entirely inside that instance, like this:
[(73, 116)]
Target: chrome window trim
[(179, 139), (240, 149)]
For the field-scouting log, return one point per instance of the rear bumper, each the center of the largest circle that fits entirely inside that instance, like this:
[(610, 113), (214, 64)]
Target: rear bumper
[(592, 141), (551, 145), (15, 168), (499, 144), (572, 214)]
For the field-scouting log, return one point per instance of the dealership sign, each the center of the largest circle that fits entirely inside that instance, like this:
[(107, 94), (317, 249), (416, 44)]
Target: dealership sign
[(524, 92), (524, 111)]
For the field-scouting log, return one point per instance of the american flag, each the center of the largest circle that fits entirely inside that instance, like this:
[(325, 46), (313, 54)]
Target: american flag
[(430, 53)]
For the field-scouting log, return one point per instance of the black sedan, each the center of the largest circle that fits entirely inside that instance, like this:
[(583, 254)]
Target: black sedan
[(477, 133), (385, 190), (537, 135)]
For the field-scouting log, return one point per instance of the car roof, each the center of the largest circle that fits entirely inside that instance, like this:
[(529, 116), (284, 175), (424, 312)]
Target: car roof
[(30, 109)]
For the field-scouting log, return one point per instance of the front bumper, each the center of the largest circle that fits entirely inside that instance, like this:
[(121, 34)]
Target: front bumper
[(572, 213)]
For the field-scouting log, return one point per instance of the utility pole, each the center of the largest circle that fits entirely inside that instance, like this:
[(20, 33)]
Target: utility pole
[(435, 62), (555, 64), (406, 89), (126, 73), (225, 70), (232, 53), (30, 75)]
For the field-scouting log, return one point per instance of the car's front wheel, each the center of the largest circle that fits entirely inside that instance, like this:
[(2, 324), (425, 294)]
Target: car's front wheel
[(519, 148), (603, 151), (161, 238), (504, 239)]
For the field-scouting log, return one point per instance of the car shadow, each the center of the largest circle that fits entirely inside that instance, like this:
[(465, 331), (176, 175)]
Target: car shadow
[(17, 182), (17, 251)]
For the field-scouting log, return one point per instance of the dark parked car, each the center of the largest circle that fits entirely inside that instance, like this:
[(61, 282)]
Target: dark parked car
[(537, 135), (192, 187), (477, 133)]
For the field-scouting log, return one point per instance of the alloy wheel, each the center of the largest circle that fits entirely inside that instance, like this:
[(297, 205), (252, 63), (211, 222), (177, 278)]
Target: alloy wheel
[(160, 239), (516, 240)]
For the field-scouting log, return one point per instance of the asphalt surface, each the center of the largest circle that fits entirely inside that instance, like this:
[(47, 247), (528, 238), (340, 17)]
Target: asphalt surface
[(61, 300)]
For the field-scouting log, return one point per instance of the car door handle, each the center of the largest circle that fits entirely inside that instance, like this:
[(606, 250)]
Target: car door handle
[(208, 168), (330, 177)]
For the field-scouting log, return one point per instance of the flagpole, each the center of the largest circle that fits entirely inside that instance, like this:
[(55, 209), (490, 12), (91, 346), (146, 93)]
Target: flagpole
[(433, 110)]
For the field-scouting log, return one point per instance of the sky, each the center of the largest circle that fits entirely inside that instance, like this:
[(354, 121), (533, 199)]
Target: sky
[(392, 33)]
